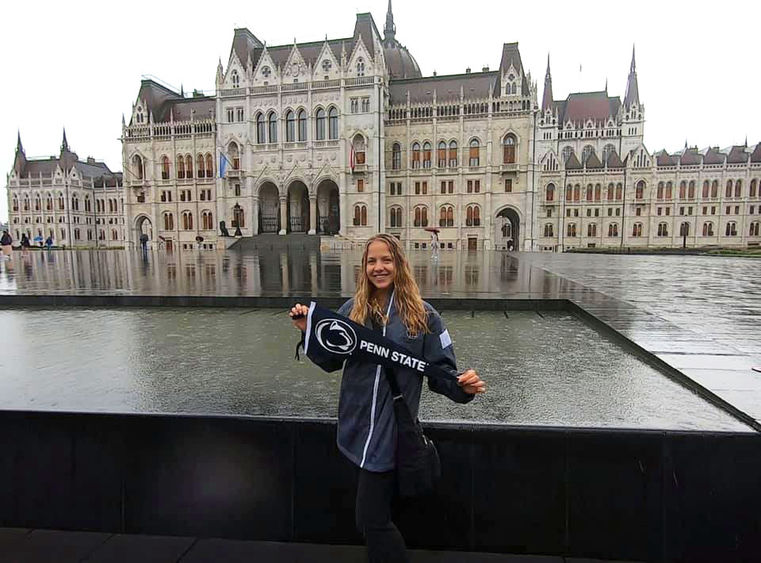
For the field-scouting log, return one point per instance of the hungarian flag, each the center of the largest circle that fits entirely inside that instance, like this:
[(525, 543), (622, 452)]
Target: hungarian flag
[(331, 334)]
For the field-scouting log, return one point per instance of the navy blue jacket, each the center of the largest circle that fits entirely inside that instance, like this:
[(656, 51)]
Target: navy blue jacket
[(366, 423)]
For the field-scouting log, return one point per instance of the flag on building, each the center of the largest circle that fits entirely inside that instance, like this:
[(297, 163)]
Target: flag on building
[(223, 164)]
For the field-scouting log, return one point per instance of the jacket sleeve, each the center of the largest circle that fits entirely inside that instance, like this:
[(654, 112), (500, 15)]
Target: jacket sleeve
[(328, 362), (439, 351)]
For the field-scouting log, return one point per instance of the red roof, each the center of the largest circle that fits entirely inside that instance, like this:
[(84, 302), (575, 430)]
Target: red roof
[(597, 106)]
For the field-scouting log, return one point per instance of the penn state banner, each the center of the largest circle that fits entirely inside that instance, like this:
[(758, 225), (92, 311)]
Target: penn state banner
[(340, 336)]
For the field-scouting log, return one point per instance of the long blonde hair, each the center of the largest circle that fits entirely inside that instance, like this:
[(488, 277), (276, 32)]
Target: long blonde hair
[(407, 298)]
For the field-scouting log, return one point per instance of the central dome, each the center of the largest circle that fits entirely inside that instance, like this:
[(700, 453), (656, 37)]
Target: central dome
[(399, 61)]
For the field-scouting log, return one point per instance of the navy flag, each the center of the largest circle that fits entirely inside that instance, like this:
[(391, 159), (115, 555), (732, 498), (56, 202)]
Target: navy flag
[(340, 337)]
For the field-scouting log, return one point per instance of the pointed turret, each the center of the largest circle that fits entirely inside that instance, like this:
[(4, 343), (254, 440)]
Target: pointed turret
[(547, 97), (19, 161), (632, 90), (389, 31), (64, 142), (20, 147)]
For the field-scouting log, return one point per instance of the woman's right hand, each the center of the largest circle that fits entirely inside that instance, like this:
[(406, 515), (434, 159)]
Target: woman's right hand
[(301, 311)]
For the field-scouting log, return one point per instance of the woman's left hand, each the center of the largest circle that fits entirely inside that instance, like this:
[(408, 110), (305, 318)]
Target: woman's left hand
[(471, 383)]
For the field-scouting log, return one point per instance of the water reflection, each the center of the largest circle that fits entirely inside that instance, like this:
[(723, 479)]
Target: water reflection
[(264, 273)]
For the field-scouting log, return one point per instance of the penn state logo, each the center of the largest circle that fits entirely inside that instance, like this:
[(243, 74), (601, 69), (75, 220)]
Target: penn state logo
[(336, 336)]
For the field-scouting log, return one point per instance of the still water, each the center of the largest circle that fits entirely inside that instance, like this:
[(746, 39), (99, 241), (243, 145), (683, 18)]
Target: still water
[(544, 370)]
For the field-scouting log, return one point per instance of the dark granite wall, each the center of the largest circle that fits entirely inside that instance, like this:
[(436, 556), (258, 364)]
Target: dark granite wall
[(644, 495)]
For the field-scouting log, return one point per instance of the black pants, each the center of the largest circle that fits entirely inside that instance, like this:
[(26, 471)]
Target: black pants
[(375, 492)]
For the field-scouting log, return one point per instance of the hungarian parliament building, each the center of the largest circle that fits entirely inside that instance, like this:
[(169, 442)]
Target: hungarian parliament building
[(344, 138)]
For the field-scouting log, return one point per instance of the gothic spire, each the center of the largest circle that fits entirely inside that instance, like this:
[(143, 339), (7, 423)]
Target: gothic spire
[(389, 31), (19, 146), (64, 142), (547, 97), (632, 90), (19, 161)]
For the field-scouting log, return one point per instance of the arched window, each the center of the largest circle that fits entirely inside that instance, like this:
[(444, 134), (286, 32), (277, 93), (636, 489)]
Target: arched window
[(452, 154), (707, 229), (37, 203), (619, 191), (684, 229), (15, 204), (637, 230), (235, 79), (691, 190), (475, 151), (415, 155), (446, 216), (426, 155), (706, 187), (272, 127), (577, 193), (61, 202), (114, 234), (200, 161), (571, 230), (663, 229), (88, 203), (187, 220), (441, 157), (360, 215), (754, 229), (610, 192), (319, 124), (396, 216), (302, 125), (728, 192), (586, 152), (550, 192), (567, 153), (188, 166), (508, 149), (639, 192), (669, 190), (753, 185), (75, 202), (606, 152), (137, 164), (207, 221), (589, 192), (261, 130), (421, 216), (360, 67), (592, 230), (49, 203), (598, 192), (549, 230), (682, 189), (739, 188), (168, 222), (359, 149), (659, 192), (396, 156), (290, 127), (232, 150), (333, 123), (613, 230), (209, 165), (473, 216), (239, 217), (731, 230), (569, 192), (180, 167), (715, 189), (165, 167)]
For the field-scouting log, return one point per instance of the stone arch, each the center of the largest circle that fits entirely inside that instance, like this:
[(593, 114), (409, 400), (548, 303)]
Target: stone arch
[(269, 207), (507, 223), (297, 207), (328, 207), (143, 226)]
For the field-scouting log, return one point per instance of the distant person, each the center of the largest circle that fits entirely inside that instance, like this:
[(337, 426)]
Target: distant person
[(6, 242), (49, 242), (144, 242), (510, 245), (25, 241), (388, 300)]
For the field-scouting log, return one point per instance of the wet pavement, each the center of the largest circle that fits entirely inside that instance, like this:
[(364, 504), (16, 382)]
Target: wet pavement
[(699, 315)]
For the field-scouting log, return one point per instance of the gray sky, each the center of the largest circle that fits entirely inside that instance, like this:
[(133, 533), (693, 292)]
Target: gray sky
[(78, 64)]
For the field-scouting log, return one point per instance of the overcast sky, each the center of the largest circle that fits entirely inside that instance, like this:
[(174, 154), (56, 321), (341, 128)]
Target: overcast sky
[(78, 64)]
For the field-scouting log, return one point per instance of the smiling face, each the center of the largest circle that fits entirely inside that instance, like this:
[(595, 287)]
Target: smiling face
[(380, 267)]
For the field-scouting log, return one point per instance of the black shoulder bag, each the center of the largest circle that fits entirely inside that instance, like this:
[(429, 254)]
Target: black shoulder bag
[(417, 461)]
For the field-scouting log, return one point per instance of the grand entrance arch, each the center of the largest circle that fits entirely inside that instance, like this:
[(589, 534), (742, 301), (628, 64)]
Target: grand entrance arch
[(507, 229), (328, 209), (298, 207), (269, 208), (143, 226)]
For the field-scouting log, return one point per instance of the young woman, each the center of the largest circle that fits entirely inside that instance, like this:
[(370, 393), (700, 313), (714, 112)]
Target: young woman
[(388, 300)]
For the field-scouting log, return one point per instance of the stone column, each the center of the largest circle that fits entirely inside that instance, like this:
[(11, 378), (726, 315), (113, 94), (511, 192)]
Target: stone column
[(283, 214), (255, 216), (313, 214)]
